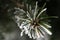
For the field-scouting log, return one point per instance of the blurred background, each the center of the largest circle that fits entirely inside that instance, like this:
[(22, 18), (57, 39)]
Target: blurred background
[(9, 29)]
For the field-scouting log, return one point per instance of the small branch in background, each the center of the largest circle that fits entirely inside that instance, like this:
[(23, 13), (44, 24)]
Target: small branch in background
[(18, 3)]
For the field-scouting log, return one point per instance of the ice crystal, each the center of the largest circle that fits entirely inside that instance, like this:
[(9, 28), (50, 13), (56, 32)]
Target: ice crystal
[(31, 22)]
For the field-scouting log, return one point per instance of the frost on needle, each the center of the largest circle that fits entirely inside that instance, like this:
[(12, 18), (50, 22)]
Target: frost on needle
[(32, 22)]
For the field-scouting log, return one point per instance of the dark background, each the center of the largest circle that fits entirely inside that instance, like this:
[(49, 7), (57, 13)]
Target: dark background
[(54, 9)]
